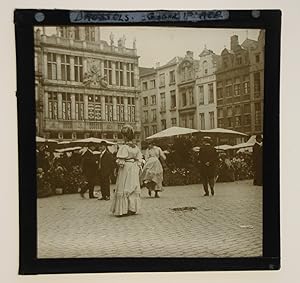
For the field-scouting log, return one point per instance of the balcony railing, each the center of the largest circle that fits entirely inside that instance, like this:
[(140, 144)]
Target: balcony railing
[(76, 125), (88, 45)]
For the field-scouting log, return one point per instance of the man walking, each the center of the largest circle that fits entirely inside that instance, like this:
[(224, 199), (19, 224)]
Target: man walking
[(89, 170), (105, 167), (208, 158)]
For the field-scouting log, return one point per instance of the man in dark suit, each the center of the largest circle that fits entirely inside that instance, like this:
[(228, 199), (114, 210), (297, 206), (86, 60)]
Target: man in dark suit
[(105, 167), (258, 161), (208, 159), (89, 170)]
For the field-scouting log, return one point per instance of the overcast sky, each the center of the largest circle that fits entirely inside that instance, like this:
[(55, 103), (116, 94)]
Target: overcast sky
[(156, 44)]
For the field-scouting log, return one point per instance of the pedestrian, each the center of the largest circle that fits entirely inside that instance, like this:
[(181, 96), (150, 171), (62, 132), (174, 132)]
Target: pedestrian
[(126, 197), (208, 159), (89, 170), (258, 161), (152, 174), (105, 167)]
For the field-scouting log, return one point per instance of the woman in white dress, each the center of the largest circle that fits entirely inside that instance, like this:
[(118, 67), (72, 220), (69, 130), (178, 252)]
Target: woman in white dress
[(126, 198), (152, 174)]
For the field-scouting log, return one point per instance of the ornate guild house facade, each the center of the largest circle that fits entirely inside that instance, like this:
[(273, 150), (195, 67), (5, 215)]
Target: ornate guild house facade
[(85, 86)]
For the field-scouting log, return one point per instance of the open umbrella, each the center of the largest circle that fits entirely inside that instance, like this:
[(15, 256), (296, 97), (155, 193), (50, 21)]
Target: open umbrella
[(173, 131), (91, 140), (223, 147), (43, 140), (221, 131)]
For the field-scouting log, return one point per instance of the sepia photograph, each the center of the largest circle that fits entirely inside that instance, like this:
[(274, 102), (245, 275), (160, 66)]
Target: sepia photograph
[(149, 141)]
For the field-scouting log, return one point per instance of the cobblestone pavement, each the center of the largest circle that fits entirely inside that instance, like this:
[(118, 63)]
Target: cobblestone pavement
[(226, 225)]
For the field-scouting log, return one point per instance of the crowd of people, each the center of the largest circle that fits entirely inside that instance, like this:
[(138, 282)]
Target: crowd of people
[(81, 171)]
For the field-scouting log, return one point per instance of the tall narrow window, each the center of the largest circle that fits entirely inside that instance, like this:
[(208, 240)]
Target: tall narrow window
[(173, 99), (163, 101), (154, 129), (66, 106), (153, 99), (219, 90), (52, 105), (163, 124), (153, 111), (201, 95), (119, 74), (212, 119), (172, 77), (108, 71), (152, 84), (191, 96), (146, 116), (130, 74), (174, 122), (145, 99), (51, 66), (161, 79), (65, 68), (144, 85), (79, 107), (108, 108), (211, 93), (78, 68), (183, 98), (131, 109), (120, 109)]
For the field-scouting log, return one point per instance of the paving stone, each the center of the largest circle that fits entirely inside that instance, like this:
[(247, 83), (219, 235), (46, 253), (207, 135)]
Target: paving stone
[(71, 227)]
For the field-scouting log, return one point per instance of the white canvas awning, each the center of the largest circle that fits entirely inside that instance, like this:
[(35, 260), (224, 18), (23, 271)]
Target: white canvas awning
[(221, 131), (43, 140), (91, 140), (173, 131)]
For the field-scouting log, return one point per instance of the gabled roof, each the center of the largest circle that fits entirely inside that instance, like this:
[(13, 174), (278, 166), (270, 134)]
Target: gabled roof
[(146, 71), (206, 52), (249, 43), (175, 60)]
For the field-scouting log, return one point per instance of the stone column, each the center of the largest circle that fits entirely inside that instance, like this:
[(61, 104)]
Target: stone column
[(73, 106), (124, 74), (86, 107), (103, 107), (137, 109), (46, 110), (59, 105), (81, 33), (136, 75), (72, 70), (45, 69), (113, 65), (102, 67), (58, 62), (126, 109), (114, 108), (84, 65)]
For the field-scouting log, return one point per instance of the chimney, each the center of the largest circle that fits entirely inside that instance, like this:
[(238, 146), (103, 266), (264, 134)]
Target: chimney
[(234, 42), (190, 54), (157, 65)]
